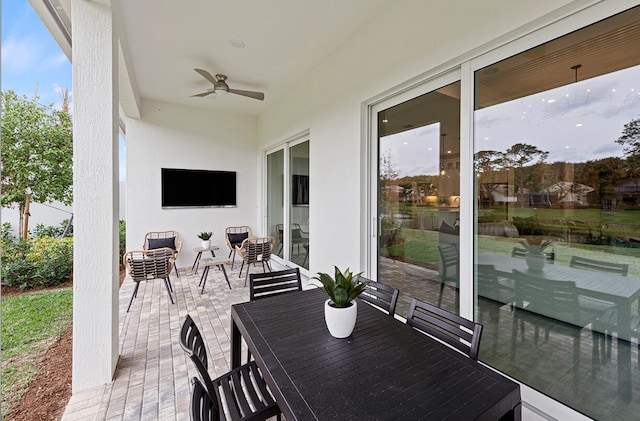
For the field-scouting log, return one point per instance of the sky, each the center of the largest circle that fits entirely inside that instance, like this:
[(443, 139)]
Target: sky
[(574, 123), (31, 57)]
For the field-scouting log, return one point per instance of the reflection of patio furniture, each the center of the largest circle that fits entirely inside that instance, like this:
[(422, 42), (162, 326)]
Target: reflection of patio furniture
[(255, 250), (549, 257), (147, 265), (551, 305), (159, 239), (460, 333), (234, 237), (494, 292), (298, 237), (380, 295), (449, 267), (591, 284), (599, 265)]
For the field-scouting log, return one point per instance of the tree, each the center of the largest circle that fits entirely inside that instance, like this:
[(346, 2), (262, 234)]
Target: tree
[(631, 138), (37, 154), (519, 155)]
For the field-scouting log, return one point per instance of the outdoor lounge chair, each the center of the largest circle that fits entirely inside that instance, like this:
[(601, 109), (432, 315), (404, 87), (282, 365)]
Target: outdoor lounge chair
[(159, 239), (147, 265)]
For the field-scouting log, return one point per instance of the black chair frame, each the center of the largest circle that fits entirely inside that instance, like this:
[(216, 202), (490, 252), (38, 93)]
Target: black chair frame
[(380, 295)]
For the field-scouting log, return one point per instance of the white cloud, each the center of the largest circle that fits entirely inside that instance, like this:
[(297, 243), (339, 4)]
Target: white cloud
[(20, 55)]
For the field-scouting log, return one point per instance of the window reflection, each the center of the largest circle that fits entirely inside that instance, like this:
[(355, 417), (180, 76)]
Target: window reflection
[(557, 229)]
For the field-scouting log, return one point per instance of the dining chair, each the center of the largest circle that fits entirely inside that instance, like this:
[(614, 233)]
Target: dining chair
[(552, 305), (202, 406), (159, 239), (494, 292), (606, 324), (549, 257), (599, 265), (268, 284), (255, 250), (147, 265), (242, 392), (234, 237), (298, 236), (449, 269), (380, 295), (462, 334)]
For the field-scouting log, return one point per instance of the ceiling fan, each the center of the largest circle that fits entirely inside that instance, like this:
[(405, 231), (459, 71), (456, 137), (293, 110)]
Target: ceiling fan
[(220, 87)]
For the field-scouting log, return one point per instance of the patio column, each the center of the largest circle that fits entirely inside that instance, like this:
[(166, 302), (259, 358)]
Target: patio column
[(95, 184)]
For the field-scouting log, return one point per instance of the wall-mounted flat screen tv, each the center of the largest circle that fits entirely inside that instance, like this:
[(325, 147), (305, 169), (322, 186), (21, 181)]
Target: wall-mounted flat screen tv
[(198, 188), (300, 190)]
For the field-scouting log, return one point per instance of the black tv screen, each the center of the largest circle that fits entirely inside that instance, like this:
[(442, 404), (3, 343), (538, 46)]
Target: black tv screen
[(198, 188)]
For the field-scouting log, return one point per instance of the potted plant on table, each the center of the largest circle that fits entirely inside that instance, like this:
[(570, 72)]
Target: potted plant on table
[(340, 310), (205, 236), (535, 256)]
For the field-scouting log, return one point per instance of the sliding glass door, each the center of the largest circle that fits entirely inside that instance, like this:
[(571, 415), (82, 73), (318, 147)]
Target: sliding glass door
[(418, 196), (287, 216)]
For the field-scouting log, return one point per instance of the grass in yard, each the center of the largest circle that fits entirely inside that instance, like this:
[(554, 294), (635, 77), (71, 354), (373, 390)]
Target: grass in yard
[(31, 323)]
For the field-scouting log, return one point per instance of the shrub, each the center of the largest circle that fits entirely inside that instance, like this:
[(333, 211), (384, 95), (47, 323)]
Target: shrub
[(43, 261), (123, 238), (50, 231)]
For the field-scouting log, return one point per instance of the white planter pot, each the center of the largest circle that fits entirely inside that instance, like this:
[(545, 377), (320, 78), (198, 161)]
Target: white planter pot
[(340, 321), (206, 244), (535, 261)]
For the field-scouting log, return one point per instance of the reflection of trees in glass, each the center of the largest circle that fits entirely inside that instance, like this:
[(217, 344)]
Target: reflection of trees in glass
[(518, 156), (631, 138), (487, 164)]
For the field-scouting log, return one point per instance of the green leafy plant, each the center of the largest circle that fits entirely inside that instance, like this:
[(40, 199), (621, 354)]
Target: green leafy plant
[(205, 235), (343, 287), (535, 245)]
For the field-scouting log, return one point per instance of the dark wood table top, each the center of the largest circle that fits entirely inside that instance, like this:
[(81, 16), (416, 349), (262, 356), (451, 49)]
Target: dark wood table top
[(384, 371)]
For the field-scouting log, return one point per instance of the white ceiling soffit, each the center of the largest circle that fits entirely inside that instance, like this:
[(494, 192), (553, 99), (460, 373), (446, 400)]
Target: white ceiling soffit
[(283, 41)]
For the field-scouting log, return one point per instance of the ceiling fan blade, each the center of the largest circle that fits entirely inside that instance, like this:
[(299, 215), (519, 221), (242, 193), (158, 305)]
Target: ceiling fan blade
[(206, 75), (250, 94), (203, 93)]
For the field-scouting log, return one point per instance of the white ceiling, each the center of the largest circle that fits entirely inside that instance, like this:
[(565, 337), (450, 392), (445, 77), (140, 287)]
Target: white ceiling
[(284, 40)]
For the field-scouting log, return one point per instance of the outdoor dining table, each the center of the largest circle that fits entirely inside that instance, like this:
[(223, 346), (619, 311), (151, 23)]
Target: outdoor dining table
[(385, 370), (621, 290)]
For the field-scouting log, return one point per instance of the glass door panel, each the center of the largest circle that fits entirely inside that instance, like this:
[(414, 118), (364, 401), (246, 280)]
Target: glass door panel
[(419, 198), (299, 206), (275, 198), (557, 229)]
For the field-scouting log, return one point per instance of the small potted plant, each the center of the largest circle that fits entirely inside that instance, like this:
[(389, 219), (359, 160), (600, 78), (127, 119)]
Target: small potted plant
[(205, 236), (535, 256), (340, 310)]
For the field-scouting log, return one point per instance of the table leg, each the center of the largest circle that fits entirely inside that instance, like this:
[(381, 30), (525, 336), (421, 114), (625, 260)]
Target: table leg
[(236, 345), (624, 351), (225, 274), (196, 262), (203, 279)]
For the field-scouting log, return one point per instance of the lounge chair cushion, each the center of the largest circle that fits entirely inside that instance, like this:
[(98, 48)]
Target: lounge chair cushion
[(237, 239), (158, 243)]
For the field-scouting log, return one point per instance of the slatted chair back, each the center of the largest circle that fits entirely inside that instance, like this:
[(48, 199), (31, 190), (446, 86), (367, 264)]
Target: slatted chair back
[(450, 261), (203, 406), (262, 285), (450, 328), (549, 257), (490, 286), (599, 265), (191, 340), (550, 298), (380, 295), (243, 389), (147, 265)]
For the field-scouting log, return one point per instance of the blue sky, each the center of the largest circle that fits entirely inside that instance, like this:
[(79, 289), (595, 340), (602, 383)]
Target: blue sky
[(30, 57)]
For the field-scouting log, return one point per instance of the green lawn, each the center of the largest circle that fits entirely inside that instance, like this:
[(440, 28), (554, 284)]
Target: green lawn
[(31, 323)]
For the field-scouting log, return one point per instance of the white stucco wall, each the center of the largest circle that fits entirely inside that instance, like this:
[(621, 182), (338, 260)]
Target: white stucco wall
[(408, 39), (173, 136)]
